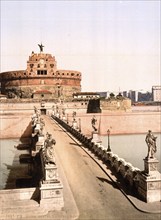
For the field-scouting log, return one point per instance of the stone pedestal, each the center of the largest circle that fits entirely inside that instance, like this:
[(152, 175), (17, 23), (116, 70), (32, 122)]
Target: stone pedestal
[(75, 125), (64, 118), (51, 188), (51, 195), (150, 181), (41, 138), (95, 137), (37, 128), (50, 172), (38, 147), (151, 166)]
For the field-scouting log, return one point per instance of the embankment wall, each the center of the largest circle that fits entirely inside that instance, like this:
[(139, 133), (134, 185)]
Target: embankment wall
[(15, 119), (122, 123), (15, 125)]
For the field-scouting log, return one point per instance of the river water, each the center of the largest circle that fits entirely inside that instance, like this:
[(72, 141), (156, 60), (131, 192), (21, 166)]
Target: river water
[(132, 148), (10, 167)]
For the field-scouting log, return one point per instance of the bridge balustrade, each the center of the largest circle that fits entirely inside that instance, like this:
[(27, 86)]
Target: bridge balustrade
[(147, 187)]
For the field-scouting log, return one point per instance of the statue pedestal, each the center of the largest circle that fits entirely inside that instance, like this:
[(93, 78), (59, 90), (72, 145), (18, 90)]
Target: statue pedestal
[(64, 118), (75, 125), (41, 138), (50, 172), (49, 169), (150, 181), (95, 137), (51, 188), (38, 145), (37, 128), (51, 195)]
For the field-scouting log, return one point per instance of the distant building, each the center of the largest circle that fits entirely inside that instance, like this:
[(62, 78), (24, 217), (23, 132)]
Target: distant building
[(156, 93), (144, 97), (132, 95), (102, 94), (138, 96), (125, 93), (85, 96)]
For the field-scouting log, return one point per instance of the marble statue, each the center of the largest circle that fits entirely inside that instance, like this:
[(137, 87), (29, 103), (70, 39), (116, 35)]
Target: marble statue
[(151, 143), (41, 47), (93, 122), (42, 124), (63, 111), (74, 114), (49, 149)]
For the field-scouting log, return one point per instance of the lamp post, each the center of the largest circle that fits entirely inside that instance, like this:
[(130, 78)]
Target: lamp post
[(79, 125), (108, 133), (67, 119)]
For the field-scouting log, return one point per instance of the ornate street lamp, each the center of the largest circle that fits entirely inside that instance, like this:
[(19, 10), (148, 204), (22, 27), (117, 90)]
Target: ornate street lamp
[(79, 125), (108, 133), (67, 119)]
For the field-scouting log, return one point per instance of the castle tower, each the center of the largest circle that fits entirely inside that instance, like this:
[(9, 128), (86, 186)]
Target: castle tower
[(41, 79)]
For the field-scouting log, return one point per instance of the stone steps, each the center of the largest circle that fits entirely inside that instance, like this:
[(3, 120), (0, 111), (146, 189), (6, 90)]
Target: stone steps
[(21, 209), (18, 203)]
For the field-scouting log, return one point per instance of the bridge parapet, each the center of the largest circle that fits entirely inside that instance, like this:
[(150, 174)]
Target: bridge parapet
[(50, 185), (145, 183)]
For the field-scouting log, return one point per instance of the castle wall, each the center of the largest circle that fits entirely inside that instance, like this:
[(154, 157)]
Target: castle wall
[(67, 85), (41, 81)]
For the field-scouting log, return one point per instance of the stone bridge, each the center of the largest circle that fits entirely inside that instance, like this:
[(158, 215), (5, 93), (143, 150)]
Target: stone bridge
[(88, 183)]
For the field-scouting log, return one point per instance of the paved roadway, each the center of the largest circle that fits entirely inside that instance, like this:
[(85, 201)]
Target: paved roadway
[(96, 196)]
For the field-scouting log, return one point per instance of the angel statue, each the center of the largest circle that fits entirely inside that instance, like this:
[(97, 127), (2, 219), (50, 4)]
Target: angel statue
[(151, 143), (49, 149)]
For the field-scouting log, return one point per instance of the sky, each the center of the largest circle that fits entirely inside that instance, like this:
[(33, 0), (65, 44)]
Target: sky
[(114, 44)]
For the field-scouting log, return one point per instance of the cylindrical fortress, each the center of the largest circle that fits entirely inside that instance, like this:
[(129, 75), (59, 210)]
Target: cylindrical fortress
[(41, 79)]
